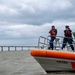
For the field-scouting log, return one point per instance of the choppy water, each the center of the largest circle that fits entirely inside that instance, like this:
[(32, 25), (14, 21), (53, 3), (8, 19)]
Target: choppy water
[(21, 63)]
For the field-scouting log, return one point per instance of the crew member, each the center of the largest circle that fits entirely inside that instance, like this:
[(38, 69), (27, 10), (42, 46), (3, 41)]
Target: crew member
[(53, 33), (68, 38)]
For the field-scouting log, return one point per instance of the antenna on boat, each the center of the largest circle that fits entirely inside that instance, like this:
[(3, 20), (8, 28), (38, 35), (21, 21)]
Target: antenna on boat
[(74, 38), (57, 42), (74, 34)]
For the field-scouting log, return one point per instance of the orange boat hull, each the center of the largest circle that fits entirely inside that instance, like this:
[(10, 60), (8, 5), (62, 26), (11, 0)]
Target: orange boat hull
[(52, 60)]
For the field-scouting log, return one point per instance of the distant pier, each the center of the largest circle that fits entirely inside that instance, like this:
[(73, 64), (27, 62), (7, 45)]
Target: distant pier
[(17, 48)]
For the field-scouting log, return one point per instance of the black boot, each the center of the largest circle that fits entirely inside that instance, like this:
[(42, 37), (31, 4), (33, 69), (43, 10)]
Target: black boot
[(49, 48)]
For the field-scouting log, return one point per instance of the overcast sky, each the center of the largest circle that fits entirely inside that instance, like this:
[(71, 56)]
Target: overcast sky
[(23, 21)]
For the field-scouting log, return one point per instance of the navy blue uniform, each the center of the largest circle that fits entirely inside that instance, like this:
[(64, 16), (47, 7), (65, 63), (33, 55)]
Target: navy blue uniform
[(53, 34), (68, 38)]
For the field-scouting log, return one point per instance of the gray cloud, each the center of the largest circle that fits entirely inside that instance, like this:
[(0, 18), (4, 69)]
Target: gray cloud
[(36, 12), (23, 21), (29, 34)]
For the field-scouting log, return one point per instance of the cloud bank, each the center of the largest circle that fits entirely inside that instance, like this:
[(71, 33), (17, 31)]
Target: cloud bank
[(23, 21)]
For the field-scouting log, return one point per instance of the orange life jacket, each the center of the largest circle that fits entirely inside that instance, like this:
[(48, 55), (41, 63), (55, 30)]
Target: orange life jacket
[(68, 32), (52, 32)]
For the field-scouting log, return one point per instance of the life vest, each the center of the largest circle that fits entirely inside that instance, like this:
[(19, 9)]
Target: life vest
[(53, 32), (68, 33)]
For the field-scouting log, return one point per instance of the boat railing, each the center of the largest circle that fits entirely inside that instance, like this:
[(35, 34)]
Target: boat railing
[(43, 42)]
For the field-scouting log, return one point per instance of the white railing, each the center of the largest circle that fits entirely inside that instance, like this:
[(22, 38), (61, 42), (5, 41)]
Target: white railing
[(43, 42)]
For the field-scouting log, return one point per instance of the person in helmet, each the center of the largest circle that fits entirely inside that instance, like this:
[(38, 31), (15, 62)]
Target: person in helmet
[(53, 33), (68, 38)]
